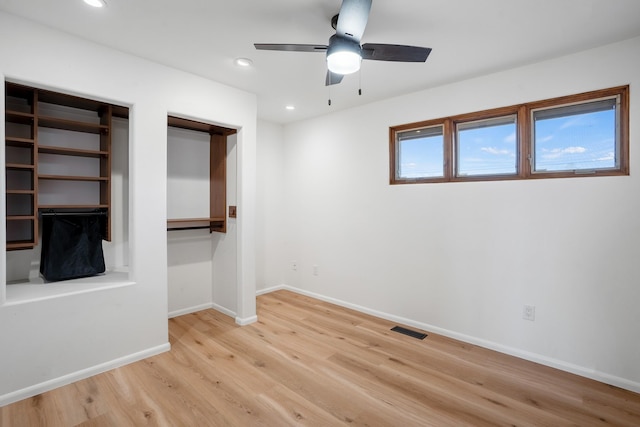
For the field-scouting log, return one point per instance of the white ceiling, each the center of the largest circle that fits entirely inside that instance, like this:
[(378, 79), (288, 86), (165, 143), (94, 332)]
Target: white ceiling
[(468, 37)]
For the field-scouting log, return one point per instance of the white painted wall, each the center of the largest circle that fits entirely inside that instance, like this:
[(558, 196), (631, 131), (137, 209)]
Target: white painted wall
[(72, 334), (189, 252), (270, 206), (464, 258), (225, 246)]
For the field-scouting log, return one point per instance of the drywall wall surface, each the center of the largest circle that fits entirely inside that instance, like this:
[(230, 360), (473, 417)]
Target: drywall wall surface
[(464, 258), (224, 265), (190, 255), (270, 209), (46, 342)]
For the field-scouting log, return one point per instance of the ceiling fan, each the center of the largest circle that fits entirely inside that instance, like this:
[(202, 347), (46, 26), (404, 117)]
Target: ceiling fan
[(344, 52)]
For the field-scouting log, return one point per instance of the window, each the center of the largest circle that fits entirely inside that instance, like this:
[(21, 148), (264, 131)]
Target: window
[(577, 135), (581, 137), (486, 147), (418, 154)]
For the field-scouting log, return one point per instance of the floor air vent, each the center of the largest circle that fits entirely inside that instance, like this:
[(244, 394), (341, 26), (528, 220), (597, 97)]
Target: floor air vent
[(414, 334)]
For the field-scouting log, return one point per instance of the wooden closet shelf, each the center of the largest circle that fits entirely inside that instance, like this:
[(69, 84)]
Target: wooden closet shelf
[(19, 166), (27, 192), (71, 151), (46, 207), (22, 244), (74, 178), (72, 125), (13, 141), (19, 117), (201, 220), (20, 217)]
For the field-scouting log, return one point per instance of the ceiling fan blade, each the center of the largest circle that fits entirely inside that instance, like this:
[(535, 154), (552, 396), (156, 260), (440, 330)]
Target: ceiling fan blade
[(353, 18), (395, 52), (333, 78), (292, 47)]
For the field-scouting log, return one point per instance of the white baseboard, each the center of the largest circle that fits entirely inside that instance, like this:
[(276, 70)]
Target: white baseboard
[(533, 357), (223, 310), (36, 389), (201, 307), (246, 320), (189, 310), (273, 289)]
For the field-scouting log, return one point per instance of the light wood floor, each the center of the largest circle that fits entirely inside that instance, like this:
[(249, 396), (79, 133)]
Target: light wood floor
[(311, 363)]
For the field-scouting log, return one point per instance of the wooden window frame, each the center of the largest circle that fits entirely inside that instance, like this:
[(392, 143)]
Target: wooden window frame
[(524, 139)]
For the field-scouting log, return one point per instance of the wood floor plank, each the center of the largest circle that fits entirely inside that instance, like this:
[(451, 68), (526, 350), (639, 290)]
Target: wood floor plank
[(311, 363)]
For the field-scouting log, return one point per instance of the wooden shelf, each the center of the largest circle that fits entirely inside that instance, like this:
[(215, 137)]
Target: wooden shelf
[(27, 192), (22, 244), (86, 117), (71, 151), (13, 141), (19, 166), (74, 178), (199, 126), (72, 125), (182, 220), (46, 207), (19, 117), (20, 217), (212, 224)]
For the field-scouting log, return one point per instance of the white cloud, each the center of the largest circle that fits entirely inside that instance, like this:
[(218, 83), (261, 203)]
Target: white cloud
[(493, 150), (558, 152), (608, 156)]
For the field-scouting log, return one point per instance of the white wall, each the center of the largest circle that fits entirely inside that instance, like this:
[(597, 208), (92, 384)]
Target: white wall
[(463, 259), (69, 335), (224, 266), (189, 252), (270, 206)]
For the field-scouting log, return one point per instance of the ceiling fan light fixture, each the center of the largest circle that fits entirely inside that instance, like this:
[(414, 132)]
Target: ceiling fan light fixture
[(343, 55)]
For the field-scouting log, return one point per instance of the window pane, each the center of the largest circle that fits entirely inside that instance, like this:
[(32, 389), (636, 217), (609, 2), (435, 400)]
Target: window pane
[(576, 137), (420, 153), (487, 147)]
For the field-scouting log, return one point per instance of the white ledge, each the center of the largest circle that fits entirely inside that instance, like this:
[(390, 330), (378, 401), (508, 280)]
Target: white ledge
[(38, 290)]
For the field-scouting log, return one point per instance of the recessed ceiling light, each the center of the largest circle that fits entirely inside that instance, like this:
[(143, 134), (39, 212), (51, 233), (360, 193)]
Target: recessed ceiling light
[(96, 3), (243, 62), (290, 107)]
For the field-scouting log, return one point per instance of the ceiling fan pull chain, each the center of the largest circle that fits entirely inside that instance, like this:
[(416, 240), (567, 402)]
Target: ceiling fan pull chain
[(360, 82)]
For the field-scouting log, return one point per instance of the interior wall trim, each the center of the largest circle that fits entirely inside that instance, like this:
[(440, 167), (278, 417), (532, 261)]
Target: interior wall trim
[(190, 310), (49, 385)]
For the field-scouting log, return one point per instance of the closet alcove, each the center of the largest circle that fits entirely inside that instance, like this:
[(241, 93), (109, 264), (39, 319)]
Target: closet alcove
[(201, 236), (188, 163), (63, 154)]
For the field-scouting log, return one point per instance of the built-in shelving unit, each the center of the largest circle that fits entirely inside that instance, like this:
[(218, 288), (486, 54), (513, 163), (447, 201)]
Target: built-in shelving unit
[(20, 167), (43, 128), (217, 219)]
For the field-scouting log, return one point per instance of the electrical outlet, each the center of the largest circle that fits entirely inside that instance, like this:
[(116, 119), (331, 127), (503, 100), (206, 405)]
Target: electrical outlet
[(294, 265), (315, 270), (529, 312)]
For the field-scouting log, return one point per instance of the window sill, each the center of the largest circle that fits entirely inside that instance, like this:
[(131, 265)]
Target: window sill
[(37, 290)]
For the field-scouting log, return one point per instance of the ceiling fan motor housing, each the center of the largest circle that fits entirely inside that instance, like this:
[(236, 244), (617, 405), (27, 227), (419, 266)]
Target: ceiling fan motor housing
[(343, 55)]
